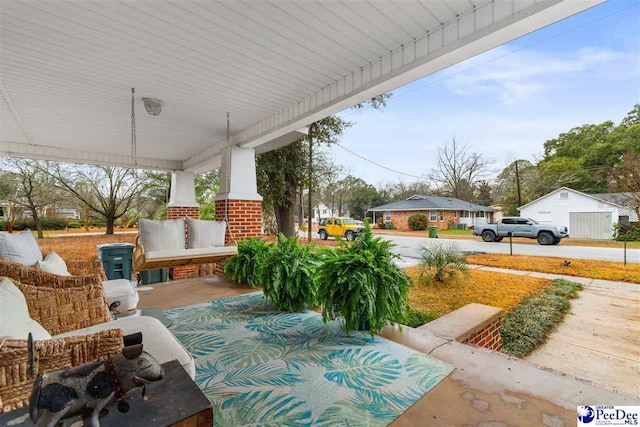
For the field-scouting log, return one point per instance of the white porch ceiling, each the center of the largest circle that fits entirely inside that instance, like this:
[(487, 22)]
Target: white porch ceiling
[(66, 68)]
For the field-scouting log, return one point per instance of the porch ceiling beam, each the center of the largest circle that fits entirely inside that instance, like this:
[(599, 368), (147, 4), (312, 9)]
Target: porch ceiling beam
[(211, 157), (481, 28), (41, 152)]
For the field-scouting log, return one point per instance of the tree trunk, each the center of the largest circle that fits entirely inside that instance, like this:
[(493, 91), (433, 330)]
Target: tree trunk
[(301, 211), (36, 221), (110, 220), (285, 217)]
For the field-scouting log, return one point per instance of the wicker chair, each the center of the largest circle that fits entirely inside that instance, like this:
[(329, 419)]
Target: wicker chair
[(83, 273), (58, 311), (50, 355)]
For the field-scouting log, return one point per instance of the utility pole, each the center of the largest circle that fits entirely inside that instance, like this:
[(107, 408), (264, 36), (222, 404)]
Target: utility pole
[(518, 184), (310, 177)]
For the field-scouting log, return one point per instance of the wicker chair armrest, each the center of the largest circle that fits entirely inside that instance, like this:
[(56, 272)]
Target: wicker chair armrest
[(50, 355), (86, 268), (69, 309), (32, 276)]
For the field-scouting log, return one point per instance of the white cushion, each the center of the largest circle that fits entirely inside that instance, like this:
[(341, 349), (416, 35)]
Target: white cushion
[(156, 339), (180, 253), (54, 264), (121, 290), (21, 247), (14, 315), (205, 234), (162, 235)]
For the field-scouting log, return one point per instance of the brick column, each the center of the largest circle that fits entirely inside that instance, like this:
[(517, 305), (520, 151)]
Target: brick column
[(175, 212), (182, 202), (238, 186), (245, 217)]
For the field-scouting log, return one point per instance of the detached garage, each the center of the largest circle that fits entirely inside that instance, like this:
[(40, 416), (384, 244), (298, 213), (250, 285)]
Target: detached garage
[(587, 216)]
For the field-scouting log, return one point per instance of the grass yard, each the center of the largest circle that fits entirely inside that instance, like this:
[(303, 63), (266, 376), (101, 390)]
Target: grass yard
[(496, 289), (81, 248), (605, 270)]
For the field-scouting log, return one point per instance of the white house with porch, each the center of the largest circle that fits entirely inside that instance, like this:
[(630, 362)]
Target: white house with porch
[(222, 82)]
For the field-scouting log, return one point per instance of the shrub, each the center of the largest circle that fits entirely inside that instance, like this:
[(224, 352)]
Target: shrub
[(245, 266), (529, 325), (442, 260), (360, 282), (53, 223), (3, 226), (288, 274), (415, 318), (98, 221), (74, 224), (626, 233), (417, 222)]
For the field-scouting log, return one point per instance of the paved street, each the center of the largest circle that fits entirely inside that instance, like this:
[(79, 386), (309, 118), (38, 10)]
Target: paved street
[(409, 248)]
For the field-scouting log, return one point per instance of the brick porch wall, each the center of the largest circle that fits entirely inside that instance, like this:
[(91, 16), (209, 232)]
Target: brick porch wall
[(175, 212), (489, 337), (400, 219)]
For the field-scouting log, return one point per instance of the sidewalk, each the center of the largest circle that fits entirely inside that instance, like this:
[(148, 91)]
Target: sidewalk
[(599, 340)]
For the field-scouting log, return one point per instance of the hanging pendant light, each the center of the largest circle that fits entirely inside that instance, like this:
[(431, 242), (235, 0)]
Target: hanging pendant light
[(153, 106)]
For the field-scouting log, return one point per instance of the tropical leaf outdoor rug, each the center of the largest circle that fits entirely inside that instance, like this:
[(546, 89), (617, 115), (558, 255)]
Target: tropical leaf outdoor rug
[(262, 367)]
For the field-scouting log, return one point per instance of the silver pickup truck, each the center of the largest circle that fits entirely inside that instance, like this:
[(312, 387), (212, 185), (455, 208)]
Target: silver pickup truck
[(520, 227)]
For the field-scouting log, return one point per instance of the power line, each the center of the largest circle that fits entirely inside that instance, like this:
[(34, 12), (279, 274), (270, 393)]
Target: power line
[(394, 96), (378, 164)]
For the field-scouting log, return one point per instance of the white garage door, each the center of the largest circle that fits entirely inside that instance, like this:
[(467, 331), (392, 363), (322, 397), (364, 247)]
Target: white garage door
[(590, 225)]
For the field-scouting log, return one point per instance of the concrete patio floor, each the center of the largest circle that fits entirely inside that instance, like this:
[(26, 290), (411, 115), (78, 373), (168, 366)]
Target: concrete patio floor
[(486, 389)]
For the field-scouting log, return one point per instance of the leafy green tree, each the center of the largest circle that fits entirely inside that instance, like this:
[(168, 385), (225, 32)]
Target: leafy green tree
[(584, 157), (284, 173), (506, 189)]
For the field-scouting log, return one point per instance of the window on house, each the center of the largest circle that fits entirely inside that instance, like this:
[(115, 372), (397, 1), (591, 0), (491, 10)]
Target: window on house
[(564, 195), (324, 211), (455, 214), (432, 215), (387, 216), (441, 216)]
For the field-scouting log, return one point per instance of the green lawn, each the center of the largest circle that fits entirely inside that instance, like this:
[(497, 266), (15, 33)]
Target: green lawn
[(455, 232)]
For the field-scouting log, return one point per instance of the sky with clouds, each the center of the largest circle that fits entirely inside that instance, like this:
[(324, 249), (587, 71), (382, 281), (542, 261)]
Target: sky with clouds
[(505, 103)]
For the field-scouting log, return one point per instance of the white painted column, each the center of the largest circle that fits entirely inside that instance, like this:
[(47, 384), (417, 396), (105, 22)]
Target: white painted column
[(238, 176), (183, 190)]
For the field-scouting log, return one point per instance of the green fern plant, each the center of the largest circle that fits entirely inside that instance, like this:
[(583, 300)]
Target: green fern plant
[(442, 260), (288, 274), (245, 266), (360, 282)]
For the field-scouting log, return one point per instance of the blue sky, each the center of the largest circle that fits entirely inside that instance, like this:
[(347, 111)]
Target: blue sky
[(505, 103)]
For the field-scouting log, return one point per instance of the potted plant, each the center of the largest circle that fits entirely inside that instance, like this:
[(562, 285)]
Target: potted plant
[(288, 274), (244, 267), (360, 282)]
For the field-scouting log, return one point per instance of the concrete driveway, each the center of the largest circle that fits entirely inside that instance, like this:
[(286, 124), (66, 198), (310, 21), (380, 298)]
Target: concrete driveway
[(409, 249)]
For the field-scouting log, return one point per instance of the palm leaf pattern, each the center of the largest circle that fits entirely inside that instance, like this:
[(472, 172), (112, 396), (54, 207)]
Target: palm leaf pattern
[(262, 367), (361, 368)]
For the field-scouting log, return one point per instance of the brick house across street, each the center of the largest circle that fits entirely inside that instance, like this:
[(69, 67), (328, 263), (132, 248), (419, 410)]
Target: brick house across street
[(440, 211)]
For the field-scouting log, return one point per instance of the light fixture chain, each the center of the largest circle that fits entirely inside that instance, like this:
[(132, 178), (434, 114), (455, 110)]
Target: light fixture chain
[(134, 143)]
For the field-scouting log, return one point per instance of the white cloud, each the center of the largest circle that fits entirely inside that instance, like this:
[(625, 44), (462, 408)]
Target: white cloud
[(523, 74)]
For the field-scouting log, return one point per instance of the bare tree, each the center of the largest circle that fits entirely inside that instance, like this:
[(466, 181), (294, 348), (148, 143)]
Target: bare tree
[(107, 190), (30, 188), (458, 169)]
